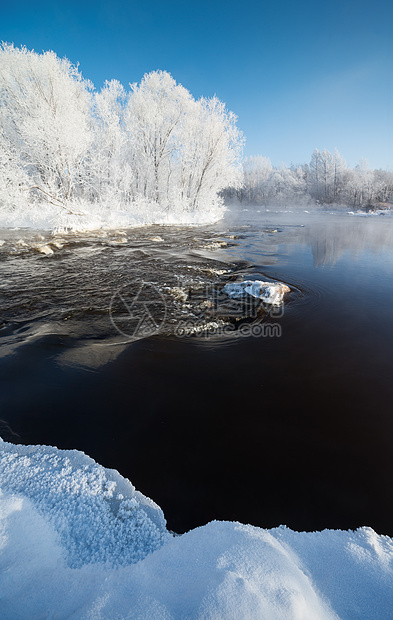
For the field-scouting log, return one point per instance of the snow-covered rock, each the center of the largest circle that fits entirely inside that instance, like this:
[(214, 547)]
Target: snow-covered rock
[(268, 292)]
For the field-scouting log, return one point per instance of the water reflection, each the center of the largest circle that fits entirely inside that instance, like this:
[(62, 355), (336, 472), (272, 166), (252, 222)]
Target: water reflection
[(331, 239), (269, 238)]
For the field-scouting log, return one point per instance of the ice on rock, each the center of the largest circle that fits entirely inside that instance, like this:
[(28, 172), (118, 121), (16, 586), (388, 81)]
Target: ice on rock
[(268, 292)]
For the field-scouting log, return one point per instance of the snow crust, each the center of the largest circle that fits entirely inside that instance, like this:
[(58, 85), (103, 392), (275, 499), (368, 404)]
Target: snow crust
[(71, 547), (268, 292)]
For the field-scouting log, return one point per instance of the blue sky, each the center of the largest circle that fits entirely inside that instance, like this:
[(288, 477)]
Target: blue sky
[(299, 75)]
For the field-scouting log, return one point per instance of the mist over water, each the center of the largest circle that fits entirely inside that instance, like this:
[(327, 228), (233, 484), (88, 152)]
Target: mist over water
[(291, 429)]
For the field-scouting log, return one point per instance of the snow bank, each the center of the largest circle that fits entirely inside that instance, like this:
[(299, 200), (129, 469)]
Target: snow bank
[(84, 217), (219, 571), (268, 292), (97, 514)]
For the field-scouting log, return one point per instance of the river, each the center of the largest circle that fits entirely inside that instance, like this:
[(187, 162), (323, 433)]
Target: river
[(122, 344)]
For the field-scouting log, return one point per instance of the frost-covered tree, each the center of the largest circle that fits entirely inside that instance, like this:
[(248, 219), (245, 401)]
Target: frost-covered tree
[(267, 185), (325, 180), (109, 176), (362, 188), (210, 156), (383, 180), (45, 111), (156, 113), (13, 178), (183, 152), (290, 185), (153, 145), (326, 176), (257, 172)]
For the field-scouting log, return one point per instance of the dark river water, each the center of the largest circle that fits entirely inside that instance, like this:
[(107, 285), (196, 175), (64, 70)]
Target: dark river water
[(124, 346)]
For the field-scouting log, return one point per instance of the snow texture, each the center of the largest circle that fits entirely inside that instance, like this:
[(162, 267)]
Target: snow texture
[(58, 558), (268, 292), (97, 514)]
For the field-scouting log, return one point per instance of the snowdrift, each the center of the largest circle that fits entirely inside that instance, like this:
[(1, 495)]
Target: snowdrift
[(78, 541)]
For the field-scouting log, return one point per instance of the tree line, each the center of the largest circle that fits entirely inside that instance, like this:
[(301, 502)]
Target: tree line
[(325, 180)]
